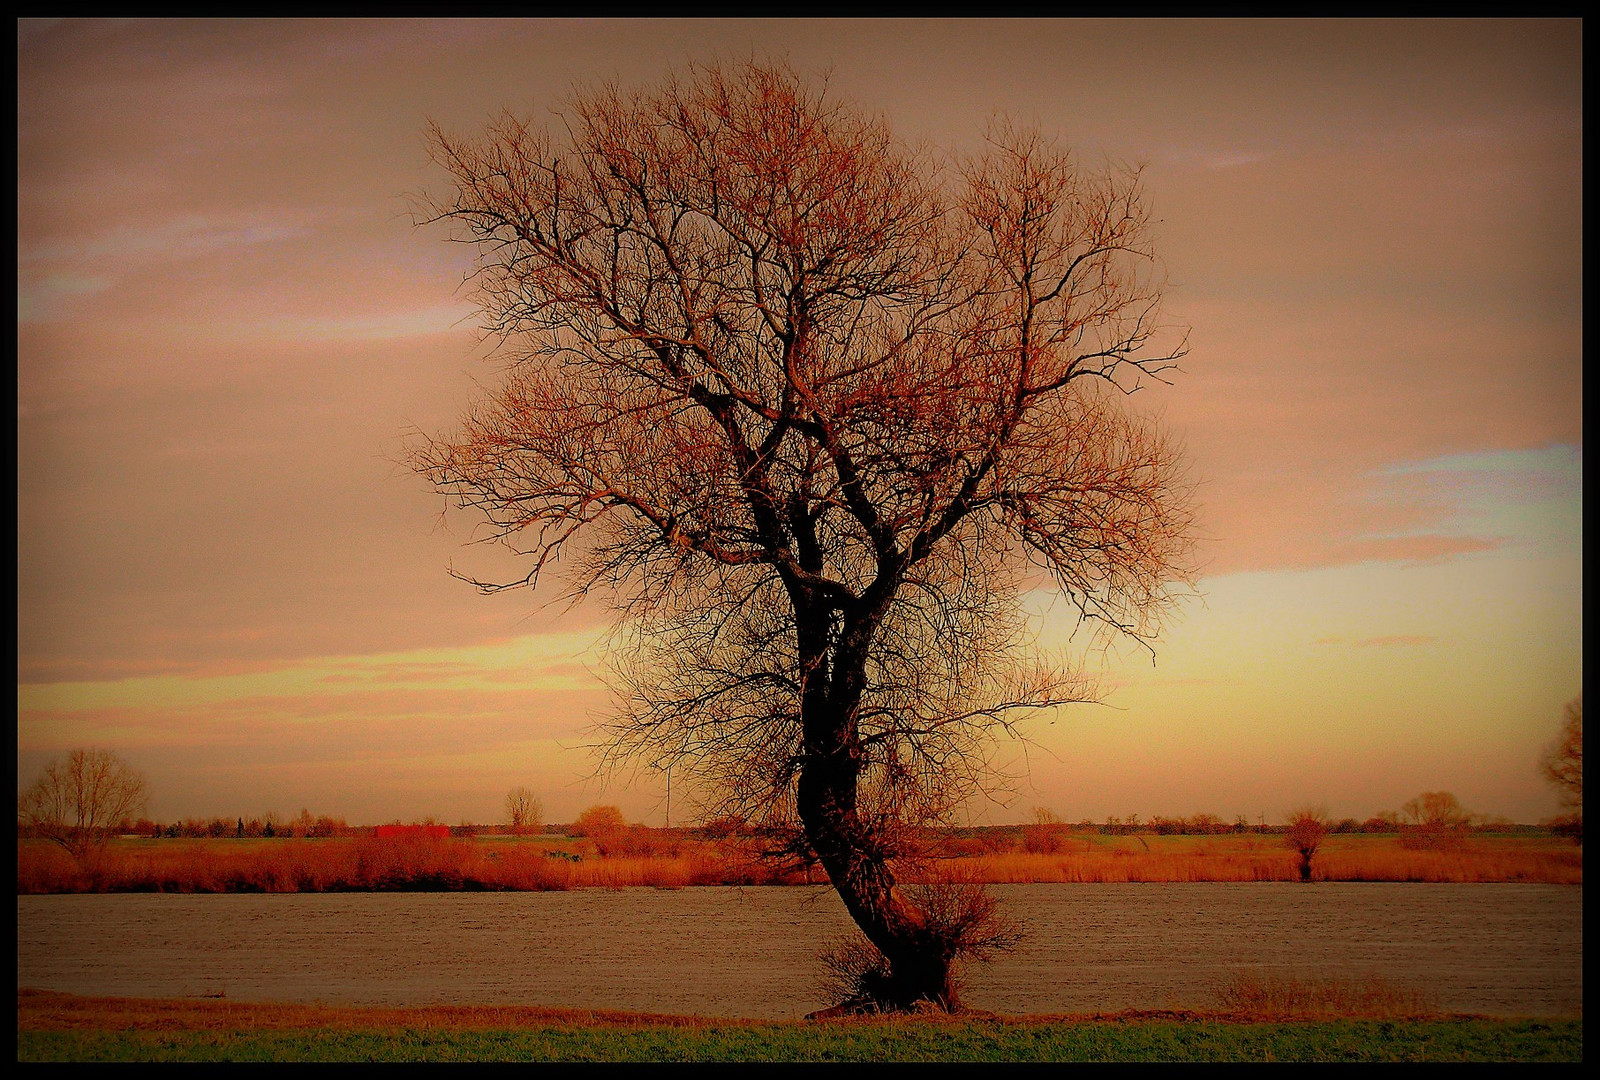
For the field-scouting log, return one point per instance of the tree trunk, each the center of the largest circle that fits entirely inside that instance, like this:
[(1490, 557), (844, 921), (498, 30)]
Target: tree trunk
[(918, 962), (918, 957)]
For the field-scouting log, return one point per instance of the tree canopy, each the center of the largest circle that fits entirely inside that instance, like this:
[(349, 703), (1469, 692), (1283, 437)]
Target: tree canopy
[(812, 409)]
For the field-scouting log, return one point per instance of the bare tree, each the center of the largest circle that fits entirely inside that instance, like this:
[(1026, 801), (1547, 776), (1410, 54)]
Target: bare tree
[(1562, 765), (1438, 821), (80, 802), (812, 410), (1307, 828), (1436, 810), (524, 811)]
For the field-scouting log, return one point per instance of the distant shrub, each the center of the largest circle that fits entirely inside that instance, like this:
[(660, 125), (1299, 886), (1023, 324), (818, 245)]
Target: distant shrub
[(721, 828), (1433, 837), (957, 847), (1047, 834), (1044, 839), (634, 842), (1569, 826), (597, 821), (1307, 827)]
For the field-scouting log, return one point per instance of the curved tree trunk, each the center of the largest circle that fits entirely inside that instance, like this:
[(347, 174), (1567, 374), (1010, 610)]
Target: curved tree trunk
[(919, 959), (919, 964)]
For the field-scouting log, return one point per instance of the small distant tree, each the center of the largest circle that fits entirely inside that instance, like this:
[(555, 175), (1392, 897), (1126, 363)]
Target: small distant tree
[(1307, 827), (80, 802), (1436, 809), (1437, 820), (598, 821), (1562, 765), (524, 811)]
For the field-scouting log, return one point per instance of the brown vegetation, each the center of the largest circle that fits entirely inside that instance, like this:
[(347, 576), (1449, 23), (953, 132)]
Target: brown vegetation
[(598, 821), (637, 856), (1304, 835), (370, 864), (1258, 995)]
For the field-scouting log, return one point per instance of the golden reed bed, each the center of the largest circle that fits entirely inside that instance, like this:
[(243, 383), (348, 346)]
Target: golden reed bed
[(365, 863)]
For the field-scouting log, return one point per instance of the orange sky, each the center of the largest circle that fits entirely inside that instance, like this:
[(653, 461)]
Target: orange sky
[(227, 326)]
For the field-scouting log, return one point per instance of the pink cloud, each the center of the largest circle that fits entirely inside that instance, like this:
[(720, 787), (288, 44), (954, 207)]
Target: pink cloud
[(1413, 549)]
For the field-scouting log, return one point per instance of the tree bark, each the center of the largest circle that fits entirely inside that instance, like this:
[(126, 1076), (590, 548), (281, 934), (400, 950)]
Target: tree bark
[(852, 853)]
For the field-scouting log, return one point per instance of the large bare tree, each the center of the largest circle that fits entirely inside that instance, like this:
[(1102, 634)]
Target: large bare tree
[(80, 801), (813, 409)]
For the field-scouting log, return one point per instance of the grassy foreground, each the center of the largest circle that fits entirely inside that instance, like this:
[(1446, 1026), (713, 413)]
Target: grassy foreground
[(62, 1027)]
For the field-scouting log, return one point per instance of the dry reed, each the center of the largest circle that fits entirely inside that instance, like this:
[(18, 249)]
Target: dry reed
[(1257, 995), (367, 863)]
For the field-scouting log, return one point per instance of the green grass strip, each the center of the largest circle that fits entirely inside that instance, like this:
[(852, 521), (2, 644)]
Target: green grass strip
[(1346, 1040)]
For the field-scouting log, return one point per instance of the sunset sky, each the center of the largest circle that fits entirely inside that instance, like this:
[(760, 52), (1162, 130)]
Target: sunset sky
[(228, 326)]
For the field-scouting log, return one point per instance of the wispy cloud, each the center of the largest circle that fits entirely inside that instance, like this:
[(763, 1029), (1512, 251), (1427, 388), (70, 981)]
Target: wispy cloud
[(1554, 469), (1212, 158), (182, 237), (544, 662), (1387, 641), (1484, 500), (52, 276), (1411, 548)]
